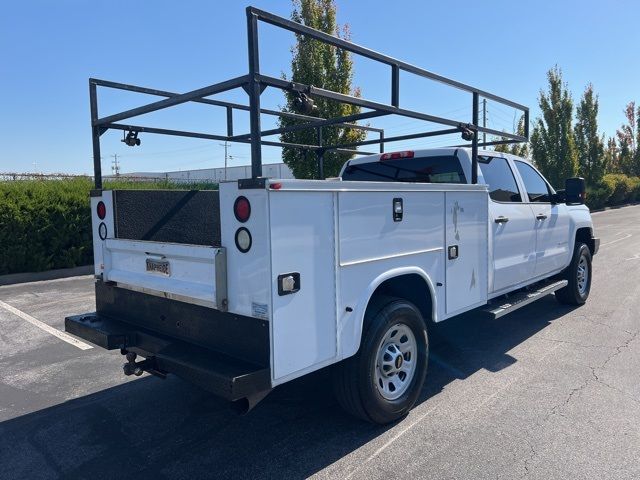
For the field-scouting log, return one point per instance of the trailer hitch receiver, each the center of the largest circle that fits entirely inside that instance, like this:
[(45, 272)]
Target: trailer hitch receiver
[(148, 365)]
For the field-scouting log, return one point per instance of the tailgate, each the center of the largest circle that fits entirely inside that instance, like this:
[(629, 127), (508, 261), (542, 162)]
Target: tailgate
[(189, 273)]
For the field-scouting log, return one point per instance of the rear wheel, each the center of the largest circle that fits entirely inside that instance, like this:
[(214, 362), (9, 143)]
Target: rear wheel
[(578, 274), (382, 382)]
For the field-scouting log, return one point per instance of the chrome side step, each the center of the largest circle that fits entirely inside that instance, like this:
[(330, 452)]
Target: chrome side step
[(521, 299)]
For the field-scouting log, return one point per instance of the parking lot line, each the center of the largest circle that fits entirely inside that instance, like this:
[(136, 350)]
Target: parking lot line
[(47, 328), (628, 235)]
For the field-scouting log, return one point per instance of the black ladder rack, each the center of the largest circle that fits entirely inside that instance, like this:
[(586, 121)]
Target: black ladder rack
[(254, 83)]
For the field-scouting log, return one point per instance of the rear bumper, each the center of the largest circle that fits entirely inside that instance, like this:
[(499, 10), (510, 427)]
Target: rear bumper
[(225, 376)]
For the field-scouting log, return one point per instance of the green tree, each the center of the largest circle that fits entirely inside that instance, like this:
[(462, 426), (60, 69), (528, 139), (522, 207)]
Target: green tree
[(589, 144), (611, 157), (325, 66), (552, 143), (519, 149), (628, 137)]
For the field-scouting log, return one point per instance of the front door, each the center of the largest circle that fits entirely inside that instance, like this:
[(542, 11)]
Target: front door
[(552, 222), (512, 226)]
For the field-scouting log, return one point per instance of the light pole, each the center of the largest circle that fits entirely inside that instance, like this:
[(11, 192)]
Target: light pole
[(226, 157)]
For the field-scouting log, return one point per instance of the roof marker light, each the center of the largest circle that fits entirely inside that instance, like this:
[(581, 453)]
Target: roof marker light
[(397, 155)]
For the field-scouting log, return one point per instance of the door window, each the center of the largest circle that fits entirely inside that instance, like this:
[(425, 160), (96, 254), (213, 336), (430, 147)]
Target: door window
[(499, 177), (537, 188)]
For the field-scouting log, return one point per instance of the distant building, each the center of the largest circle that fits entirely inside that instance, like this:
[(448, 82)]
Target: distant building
[(272, 170)]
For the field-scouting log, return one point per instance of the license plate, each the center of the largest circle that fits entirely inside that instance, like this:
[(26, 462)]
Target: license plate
[(158, 266)]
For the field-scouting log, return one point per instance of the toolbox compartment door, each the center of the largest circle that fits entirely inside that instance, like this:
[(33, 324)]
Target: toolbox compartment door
[(466, 250)]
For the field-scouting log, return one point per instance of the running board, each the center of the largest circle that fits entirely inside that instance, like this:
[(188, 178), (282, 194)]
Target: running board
[(521, 299)]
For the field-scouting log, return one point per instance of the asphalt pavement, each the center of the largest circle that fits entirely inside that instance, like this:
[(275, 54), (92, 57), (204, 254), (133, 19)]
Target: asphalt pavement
[(548, 392)]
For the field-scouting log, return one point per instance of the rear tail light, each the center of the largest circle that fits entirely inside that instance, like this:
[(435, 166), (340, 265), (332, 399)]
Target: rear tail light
[(242, 209), (101, 210), (397, 155)]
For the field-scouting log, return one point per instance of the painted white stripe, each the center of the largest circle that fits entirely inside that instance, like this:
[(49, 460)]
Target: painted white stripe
[(47, 328), (617, 240)]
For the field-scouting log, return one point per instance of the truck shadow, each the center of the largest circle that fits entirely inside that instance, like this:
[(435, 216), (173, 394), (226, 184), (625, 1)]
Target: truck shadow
[(153, 429)]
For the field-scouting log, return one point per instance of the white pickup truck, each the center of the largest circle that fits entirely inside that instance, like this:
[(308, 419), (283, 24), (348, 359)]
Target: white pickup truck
[(247, 287), (274, 279)]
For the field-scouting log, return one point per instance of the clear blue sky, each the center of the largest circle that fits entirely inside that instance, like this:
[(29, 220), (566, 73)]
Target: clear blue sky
[(48, 50)]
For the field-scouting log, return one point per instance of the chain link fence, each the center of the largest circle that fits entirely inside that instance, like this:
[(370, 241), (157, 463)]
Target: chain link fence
[(14, 176)]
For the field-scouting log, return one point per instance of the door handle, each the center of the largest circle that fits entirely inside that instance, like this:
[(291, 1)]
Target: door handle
[(501, 219), (541, 216)]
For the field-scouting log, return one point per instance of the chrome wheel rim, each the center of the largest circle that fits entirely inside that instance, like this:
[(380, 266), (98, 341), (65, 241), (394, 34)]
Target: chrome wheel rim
[(582, 275), (396, 361)]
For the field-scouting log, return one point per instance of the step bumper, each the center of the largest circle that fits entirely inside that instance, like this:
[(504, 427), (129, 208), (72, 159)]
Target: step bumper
[(220, 374)]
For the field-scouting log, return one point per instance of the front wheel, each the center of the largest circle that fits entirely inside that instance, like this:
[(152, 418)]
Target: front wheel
[(382, 382), (578, 274)]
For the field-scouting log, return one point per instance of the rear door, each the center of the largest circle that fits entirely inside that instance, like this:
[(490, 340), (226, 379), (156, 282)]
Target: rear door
[(552, 222), (512, 226)]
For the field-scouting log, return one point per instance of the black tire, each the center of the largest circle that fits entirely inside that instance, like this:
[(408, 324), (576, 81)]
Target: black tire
[(354, 379), (573, 294)]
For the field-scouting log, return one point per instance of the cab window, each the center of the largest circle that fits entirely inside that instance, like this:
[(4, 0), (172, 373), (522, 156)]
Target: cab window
[(499, 177), (431, 169), (537, 188)]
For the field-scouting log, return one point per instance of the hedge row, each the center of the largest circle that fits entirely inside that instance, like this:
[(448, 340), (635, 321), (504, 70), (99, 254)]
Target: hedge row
[(614, 189), (46, 224)]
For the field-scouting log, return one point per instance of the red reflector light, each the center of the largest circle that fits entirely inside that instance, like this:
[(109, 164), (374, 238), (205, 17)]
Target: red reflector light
[(275, 186), (242, 209), (397, 155), (101, 210)]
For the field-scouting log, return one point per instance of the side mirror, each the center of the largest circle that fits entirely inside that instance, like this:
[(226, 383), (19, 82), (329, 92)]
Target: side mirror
[(575, 190), (559, 197)]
